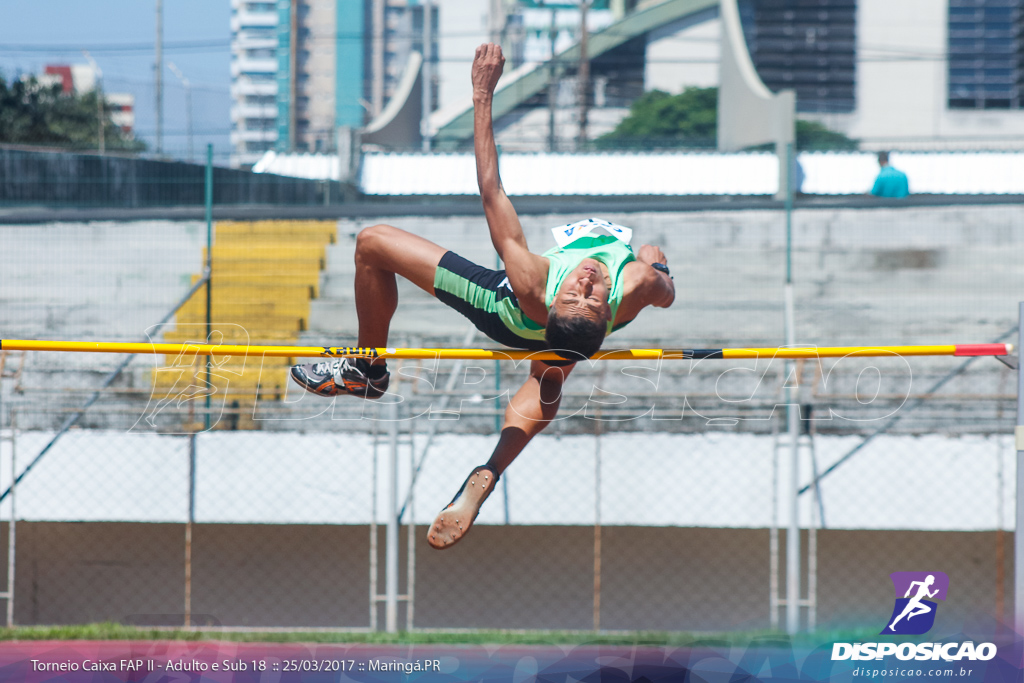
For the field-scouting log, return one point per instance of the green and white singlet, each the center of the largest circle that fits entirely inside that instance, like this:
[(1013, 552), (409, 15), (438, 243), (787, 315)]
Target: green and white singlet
[(610, 251), (485, 296)]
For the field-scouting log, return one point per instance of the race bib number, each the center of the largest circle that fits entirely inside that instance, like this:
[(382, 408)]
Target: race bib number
[(567, 234)]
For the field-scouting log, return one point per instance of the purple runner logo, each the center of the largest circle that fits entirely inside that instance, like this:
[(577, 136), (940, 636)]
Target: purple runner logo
[(914, 612)]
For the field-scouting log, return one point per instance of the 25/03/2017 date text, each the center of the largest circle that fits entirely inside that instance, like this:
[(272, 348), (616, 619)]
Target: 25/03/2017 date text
[(408, 667)]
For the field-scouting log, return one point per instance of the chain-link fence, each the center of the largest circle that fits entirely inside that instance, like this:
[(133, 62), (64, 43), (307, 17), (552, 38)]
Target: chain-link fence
[(30, 179), (658, 500)]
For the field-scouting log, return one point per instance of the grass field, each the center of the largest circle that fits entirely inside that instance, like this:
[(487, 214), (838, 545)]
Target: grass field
[(112, 631)]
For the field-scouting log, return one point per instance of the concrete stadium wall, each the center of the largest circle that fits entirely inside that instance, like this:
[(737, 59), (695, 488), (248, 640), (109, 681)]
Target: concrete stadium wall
[(668, 578)]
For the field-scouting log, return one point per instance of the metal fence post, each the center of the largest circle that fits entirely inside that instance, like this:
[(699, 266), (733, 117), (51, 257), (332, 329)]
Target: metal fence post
[(793, 419), (391, 551), (11, 536), (208, 202), (374, 598), (189, 523), (1018, 545)]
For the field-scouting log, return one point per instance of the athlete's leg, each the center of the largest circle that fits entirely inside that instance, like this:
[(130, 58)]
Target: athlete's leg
[(382, 251), (532, 408)]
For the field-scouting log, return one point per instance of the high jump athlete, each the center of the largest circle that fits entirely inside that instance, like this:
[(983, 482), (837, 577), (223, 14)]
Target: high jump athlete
[(566, 300)]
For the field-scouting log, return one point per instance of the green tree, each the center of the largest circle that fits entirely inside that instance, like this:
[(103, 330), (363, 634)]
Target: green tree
[(690, 119), (814, 137), (34, 114), (658, 119)]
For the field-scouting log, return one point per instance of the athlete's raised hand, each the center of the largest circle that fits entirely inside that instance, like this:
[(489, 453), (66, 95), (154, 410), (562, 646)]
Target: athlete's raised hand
[(487, 66), (650, 254)]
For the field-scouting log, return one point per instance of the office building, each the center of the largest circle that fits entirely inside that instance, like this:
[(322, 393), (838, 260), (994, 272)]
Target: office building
[(253, 80), (909, 74), (303, 70), (339, 62)]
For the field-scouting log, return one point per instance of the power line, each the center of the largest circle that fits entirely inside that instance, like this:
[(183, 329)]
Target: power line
[(894, 58), (123, 47), (217, 44), (175, 132)]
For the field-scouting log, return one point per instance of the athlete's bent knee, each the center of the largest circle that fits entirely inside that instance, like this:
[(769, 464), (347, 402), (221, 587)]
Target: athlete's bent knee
[(371, 241)]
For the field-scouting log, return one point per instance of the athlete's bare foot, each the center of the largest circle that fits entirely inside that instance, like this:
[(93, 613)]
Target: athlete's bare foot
[(453, 523)]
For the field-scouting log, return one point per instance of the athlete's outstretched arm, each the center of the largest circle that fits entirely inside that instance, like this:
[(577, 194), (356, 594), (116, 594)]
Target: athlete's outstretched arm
[(527, 272), (501, 215), (532, 408)]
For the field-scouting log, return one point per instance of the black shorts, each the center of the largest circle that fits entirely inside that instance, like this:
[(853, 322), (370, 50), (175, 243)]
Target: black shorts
[(474, 291)]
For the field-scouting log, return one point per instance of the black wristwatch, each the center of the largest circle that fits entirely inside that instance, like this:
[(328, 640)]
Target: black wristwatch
[(661, 268)]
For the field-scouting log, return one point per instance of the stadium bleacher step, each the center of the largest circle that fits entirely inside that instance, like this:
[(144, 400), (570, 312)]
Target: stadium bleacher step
[(240, 264), (264, 276), (325, 230), (227, 334), (229, 311), (235, 293), (257, 329), (266, 280), (265, 382), (265, 252)]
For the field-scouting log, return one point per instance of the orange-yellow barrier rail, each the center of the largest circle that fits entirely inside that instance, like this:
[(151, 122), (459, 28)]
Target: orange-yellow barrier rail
[(189, 349)]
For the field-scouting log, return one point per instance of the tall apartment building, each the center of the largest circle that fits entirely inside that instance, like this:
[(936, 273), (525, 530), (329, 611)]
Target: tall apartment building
[(304, 69), (253, 80), (403, 32), (320, 69), (339, 62)]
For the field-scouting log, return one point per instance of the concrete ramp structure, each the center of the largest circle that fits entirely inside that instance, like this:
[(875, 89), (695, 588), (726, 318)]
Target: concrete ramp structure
[(748, 112), (454, 127), (398, 125)]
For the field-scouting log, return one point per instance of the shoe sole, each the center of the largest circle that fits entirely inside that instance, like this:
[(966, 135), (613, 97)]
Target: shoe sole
[(331, 389), (453, 523)]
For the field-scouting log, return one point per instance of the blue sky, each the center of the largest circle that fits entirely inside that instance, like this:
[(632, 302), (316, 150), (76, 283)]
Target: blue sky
[(120, 36)]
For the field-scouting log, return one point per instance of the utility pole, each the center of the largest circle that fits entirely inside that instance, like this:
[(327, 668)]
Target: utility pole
[(98, 89), (293, 77), (188, 102), (159, 73), (552, 82), (496, 21), (583, 74), (377, 57), (427, 73)]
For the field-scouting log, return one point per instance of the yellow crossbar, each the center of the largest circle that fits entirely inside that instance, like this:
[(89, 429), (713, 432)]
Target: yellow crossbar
[(505, 354)]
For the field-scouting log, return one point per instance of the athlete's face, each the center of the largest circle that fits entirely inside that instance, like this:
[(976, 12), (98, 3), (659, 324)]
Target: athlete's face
[(584, 292)]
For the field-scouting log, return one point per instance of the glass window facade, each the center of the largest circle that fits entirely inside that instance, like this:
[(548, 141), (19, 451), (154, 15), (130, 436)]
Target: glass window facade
[(809, 46), (985, 53)]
